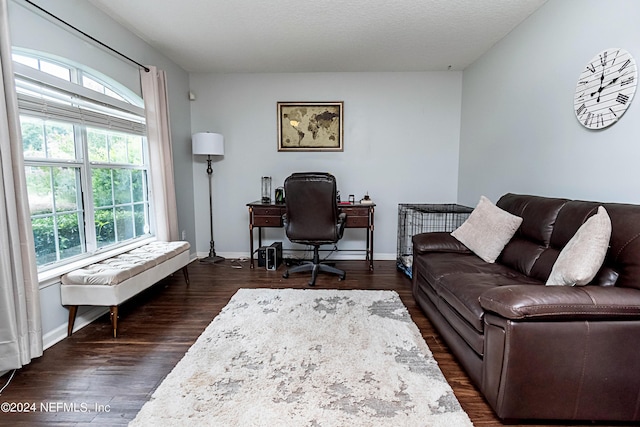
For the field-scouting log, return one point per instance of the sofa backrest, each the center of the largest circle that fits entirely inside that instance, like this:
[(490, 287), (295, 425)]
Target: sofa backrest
[(549, 223), (533, 237), (623, 257)]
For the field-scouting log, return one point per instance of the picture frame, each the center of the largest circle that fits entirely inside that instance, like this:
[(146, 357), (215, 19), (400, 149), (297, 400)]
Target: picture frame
[(310, 126)]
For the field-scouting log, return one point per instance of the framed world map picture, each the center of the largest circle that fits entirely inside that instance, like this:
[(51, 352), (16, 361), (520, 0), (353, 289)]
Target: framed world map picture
[(310, 126)]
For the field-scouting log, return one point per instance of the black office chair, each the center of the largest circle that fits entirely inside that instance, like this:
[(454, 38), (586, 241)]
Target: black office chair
[(312, 218)]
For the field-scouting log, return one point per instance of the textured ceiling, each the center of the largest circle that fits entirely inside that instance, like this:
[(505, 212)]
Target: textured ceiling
[(320, 36)]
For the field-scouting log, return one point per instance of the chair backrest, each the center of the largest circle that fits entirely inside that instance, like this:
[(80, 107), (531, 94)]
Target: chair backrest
[(312, 208)]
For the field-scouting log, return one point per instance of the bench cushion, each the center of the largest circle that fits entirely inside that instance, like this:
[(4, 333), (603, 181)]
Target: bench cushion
[(113, 271)]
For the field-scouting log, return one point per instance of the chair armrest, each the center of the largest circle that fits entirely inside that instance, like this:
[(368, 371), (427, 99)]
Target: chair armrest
[(438, 241), (518, 302)]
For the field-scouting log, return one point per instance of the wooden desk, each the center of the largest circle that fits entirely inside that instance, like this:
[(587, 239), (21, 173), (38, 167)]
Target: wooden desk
[(270, 215)]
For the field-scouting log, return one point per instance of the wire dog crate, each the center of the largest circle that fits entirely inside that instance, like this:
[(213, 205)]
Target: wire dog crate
[(420, 218)]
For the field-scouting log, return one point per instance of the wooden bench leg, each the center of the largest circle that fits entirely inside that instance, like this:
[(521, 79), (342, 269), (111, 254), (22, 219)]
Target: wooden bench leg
[(73, 309), (114, 319), (186, 274)]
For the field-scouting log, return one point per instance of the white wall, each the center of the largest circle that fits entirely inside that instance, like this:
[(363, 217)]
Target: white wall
[(401, 133), (34, 31), (519, 132)]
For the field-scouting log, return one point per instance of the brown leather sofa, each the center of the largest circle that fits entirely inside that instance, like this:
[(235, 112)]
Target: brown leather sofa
[(536, 351)]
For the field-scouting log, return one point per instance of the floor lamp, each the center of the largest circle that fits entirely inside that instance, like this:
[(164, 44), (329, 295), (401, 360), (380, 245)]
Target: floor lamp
[(209, 144)]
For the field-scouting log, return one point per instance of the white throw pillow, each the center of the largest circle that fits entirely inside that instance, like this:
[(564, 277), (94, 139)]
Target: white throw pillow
[(582, 257), (487, 230)]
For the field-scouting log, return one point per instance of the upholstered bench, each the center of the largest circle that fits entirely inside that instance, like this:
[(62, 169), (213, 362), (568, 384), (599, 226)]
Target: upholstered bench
[(114, 280)]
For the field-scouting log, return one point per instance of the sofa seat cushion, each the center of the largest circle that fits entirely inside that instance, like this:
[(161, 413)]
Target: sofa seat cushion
[(435, 265), (460, 279), (462, 291)]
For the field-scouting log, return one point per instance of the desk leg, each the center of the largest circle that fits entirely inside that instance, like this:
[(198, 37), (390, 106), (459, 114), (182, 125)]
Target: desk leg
[(370, 250), (251, 265), (251, 245), (370, 240)]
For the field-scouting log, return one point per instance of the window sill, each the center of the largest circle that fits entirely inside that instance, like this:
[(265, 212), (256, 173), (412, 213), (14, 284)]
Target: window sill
[(52, 276)]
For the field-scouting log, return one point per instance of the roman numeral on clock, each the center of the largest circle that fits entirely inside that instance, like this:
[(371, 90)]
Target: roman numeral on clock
[(624, 65), (580, 110), (622, 98), (591, 68), (627, 81)]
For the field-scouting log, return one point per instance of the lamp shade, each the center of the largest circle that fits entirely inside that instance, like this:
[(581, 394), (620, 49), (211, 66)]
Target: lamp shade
[(207, 143)]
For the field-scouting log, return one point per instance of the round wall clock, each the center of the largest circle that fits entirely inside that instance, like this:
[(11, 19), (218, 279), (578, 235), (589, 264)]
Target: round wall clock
[(605, 88)]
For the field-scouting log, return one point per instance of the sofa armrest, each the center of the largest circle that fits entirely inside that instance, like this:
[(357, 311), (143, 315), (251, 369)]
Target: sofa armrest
[(438, 241), (518, 302)]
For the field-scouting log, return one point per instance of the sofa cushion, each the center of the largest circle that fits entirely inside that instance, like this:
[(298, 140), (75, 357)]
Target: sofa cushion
[(582, 257), (624, 252), (460, 279), (487, 230), (539, 216), (572, 215), (462, 291)]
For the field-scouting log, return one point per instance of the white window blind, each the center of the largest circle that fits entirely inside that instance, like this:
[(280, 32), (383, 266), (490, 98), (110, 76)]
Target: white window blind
[(44, 96)]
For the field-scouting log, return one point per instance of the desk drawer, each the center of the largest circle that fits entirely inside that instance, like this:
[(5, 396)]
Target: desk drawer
[(357, 221), (267, 211), (267, 221), (357, 217)]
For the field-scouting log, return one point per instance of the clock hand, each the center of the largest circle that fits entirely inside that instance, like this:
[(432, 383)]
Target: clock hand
[(611, 82), (604, 87), (601, 88)]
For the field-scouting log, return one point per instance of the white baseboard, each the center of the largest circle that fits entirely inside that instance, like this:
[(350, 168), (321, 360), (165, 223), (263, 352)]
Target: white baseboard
[(346, 255), (82, 320)]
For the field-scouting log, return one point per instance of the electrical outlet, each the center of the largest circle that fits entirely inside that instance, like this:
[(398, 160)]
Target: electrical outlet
[(184, 234)]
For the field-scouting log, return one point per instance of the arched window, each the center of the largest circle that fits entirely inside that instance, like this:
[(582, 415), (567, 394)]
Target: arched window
[(86, 159)]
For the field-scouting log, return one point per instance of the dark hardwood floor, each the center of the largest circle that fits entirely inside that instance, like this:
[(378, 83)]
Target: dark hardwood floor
[(94, 379)]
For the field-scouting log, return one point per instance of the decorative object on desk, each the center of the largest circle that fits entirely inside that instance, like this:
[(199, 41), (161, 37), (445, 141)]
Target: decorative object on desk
[(280, 195), (209, 144), (266, 189), (310, 126), (366, 200), (352, 198)]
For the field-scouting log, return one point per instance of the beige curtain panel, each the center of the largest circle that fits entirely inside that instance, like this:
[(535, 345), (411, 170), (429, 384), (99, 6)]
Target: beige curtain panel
[(20, 318), (154, 92)]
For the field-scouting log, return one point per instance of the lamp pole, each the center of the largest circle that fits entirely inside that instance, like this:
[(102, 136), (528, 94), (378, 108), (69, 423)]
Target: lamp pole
[(212, 258)]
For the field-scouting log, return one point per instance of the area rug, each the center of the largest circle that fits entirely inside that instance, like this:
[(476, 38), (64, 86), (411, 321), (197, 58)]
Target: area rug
[(294, 357)]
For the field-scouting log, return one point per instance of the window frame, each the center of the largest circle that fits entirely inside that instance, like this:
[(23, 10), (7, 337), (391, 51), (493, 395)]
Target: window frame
[(123, 112)]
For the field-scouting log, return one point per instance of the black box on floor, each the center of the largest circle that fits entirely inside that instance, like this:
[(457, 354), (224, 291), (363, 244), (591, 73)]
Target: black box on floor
[(274, 255), (262, 256)]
